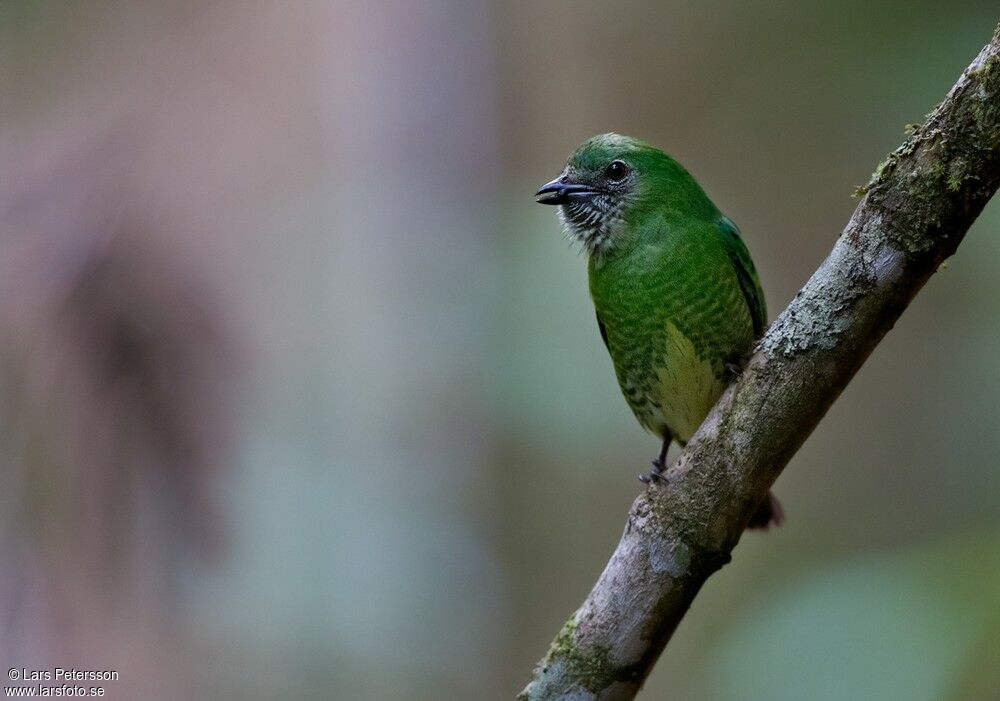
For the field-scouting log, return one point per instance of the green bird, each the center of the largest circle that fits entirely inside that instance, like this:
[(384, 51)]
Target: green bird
[(679, 304)]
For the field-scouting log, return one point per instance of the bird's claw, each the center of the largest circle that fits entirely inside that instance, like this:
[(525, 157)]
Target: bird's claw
[(732, 370), (654, 476)]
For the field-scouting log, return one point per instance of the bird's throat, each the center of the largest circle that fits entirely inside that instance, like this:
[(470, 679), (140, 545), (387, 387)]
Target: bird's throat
[(593, 222)]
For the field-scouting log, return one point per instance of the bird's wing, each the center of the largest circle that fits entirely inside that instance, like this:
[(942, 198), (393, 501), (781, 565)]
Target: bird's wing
[(739, 256), (604, 331)]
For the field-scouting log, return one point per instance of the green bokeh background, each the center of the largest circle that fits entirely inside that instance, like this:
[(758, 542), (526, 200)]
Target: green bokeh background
[(430, 461)]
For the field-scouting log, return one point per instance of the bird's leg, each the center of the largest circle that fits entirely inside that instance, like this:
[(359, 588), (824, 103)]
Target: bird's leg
[(659, 464), (734, 366)]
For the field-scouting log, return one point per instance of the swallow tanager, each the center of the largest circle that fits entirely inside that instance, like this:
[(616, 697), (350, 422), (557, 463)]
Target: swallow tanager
[(679, 304)]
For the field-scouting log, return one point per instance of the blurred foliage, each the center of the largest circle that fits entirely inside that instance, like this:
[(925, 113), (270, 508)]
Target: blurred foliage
[(896, 625)]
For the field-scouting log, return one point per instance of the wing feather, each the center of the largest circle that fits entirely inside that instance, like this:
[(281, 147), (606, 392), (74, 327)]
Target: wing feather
[(604, 331), (746, 274)]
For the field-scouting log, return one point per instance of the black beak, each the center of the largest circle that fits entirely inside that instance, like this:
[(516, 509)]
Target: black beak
[(561, 192)]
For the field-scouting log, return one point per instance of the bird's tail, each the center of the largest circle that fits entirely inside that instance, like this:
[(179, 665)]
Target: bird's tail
[(768, 512)]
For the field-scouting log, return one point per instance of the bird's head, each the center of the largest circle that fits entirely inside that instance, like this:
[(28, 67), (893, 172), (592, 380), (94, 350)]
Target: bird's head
[(608, 183)]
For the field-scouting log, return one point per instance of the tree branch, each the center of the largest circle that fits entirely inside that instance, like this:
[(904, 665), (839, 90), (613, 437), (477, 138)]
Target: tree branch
[(913, 214)]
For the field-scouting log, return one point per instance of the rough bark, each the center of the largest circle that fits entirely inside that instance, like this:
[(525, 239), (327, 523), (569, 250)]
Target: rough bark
[(912, 215)]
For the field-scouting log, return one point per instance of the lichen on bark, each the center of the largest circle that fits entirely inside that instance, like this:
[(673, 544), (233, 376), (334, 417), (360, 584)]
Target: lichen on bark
[(591, 668)]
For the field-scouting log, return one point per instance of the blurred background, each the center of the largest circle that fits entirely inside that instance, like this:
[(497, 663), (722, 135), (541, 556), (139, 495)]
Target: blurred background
[(301, 395)]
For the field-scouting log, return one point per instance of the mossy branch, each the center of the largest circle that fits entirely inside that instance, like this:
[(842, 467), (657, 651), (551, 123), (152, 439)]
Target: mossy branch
[(913, 214)]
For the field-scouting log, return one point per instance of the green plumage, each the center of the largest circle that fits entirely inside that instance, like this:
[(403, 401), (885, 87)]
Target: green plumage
[(675, 290)]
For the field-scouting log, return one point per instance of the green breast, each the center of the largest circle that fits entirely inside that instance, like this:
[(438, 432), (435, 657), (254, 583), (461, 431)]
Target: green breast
[(673, 313)]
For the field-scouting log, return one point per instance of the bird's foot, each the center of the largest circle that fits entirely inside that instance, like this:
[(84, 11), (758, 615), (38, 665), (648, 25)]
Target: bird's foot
[(651, 477), (734, 366), (731, 371), (656, 475)]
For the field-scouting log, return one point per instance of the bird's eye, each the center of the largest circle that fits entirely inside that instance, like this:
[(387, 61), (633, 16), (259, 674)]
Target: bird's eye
[(616, 170)]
